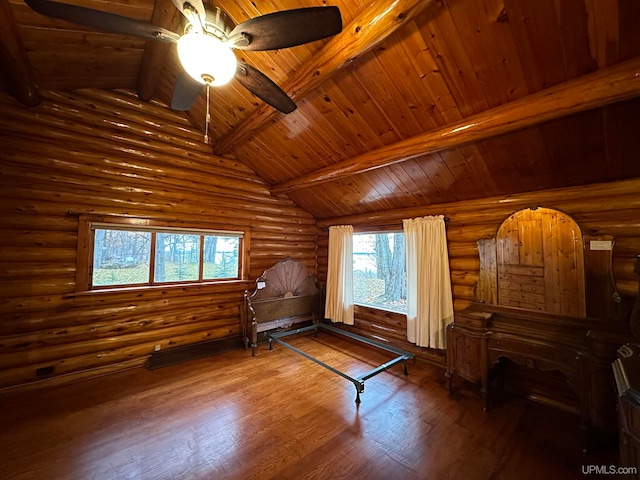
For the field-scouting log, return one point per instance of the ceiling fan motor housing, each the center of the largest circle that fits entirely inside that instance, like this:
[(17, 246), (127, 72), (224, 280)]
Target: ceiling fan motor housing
[(217, 23)]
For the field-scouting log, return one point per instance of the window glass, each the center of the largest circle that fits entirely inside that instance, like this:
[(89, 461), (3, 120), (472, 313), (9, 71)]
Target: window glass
[(177, 257), (121, 257), (379, 275), (221, 257)]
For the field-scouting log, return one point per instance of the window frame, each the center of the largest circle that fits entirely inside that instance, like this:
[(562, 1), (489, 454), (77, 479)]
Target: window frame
[(388, 230), (86, 236)]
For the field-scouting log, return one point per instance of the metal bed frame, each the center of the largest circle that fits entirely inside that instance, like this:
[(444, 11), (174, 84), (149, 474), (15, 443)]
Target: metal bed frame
[(358, 382)]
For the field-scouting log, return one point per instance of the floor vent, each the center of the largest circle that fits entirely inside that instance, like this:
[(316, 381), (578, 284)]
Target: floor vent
[(184, 353)]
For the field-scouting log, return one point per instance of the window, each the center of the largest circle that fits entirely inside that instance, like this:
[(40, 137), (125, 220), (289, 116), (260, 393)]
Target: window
[(379, 275), (123, 255), (120, 257)]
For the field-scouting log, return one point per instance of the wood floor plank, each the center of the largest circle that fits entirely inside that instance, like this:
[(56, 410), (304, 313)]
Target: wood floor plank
[(280, 416)]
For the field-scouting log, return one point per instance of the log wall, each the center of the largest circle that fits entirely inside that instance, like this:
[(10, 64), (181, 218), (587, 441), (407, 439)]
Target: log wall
[(609, 208), (107, 153)]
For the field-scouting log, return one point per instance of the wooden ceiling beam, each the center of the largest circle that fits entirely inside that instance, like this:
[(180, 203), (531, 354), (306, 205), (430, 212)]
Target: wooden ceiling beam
[(165, 15), (13, 58), (603, 87), (370, 28)]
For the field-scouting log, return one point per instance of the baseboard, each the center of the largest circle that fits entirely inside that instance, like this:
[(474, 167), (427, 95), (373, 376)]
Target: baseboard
[(184, 353)]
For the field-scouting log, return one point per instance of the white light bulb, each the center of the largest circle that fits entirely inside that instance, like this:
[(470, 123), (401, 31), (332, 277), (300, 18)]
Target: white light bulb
[(206, 59)]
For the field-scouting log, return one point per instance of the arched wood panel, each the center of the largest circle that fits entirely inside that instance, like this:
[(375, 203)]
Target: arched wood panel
[(540, 262)]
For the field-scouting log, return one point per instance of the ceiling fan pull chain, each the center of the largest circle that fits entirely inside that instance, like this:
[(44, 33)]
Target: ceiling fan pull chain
[(207, 119)]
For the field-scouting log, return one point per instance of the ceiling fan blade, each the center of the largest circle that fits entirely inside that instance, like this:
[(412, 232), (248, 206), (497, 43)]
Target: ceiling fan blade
[(185, 93), (263, 87), (103, 21), (196, 5), (289, 28)]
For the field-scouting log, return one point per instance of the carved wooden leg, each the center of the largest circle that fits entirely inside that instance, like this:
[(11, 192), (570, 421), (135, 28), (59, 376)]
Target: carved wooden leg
[(449, 377), (254, 338), (485, 397), (484, 389)]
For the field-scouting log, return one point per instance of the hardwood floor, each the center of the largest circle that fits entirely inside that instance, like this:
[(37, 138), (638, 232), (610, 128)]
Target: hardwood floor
[(281, 416)]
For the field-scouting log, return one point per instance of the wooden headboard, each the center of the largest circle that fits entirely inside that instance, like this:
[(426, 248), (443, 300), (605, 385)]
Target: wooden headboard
[(285, 294)]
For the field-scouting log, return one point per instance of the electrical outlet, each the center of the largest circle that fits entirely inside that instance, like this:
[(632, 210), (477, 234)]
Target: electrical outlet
[(600, 245), (157, 348)]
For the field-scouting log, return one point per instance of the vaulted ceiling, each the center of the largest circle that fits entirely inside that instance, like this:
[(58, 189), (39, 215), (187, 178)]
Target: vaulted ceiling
[(416, 102)]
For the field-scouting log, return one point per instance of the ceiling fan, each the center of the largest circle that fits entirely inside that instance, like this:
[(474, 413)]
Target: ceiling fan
[(206, 47)]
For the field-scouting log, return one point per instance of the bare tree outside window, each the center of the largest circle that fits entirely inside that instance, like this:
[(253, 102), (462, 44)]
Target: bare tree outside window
[(178, 256), (221, 256), (121, 257), (379, 275)]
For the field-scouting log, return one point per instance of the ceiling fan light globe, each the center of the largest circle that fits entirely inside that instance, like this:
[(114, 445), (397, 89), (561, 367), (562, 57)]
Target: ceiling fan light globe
[(206, 59)]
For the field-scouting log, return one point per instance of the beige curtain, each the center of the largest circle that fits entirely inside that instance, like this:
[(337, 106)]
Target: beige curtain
[(339, 301), (429, 300)]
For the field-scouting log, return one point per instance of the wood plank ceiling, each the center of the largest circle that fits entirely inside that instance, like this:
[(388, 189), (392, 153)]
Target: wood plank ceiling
[(399, 70)]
